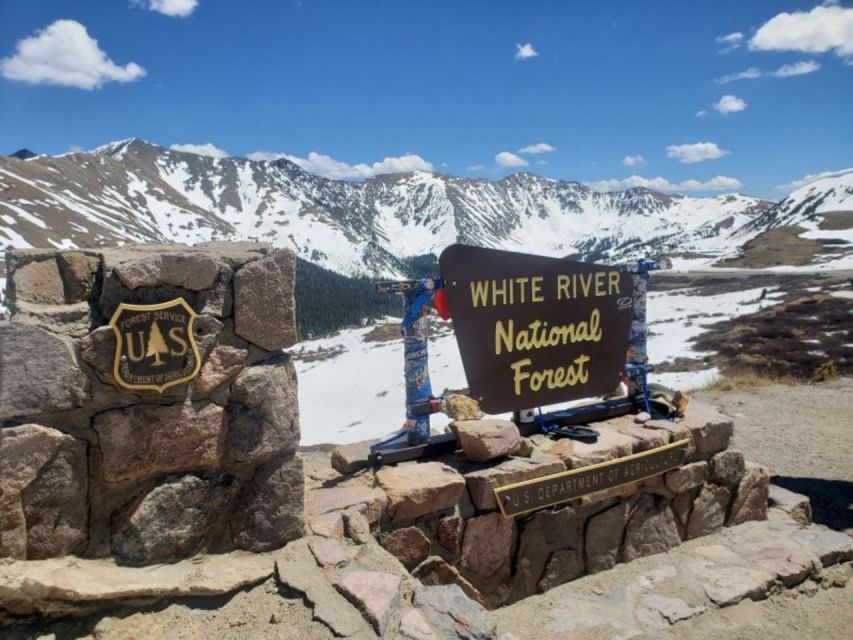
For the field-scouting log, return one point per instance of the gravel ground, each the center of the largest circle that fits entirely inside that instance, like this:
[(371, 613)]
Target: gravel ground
[(804, 433)]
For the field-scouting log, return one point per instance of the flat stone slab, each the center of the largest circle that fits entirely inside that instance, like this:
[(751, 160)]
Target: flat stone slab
[(70, 585), (416, 489), (321, 501), (483, 482), (798, 506)]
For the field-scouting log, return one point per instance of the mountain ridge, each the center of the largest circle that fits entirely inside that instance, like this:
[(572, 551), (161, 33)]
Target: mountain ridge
[(135, 191)]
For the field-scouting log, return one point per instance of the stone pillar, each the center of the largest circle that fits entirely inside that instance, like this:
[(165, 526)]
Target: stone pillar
[(89, 467)]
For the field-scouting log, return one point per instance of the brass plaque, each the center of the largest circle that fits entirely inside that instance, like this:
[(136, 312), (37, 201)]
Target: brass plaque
[(534, 331), (155, 345), (530, 495)]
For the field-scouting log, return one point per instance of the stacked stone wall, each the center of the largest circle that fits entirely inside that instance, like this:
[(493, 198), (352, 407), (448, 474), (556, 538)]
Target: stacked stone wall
[(88, 467), (441, 519)]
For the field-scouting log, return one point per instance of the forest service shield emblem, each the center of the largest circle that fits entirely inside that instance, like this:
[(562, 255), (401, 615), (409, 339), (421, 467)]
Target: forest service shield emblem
[(155, 345)]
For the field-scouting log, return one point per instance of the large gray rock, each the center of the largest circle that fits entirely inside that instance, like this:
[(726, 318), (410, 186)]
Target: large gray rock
[(750, 501), (147, 440), (488, 544), (60, 586), (687, 477), (38, 372), (66, 319), (172, 521), (296, 568), (223, 363), (190, 270), (409, 545), (35, 280), (709, 511), (604, 534), (727, 468), (711, 430), (43, 493), (266, 422), (484, 440), (651, 529), (270, 507), (417, 489), (453, 614), (79, 273), (264, 306), (483, 482), (377, 594), (544, 534)]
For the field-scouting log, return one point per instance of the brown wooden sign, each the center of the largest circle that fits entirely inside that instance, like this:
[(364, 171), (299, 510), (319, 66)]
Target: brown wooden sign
[(523, 497), (534, 331), (155, 345)]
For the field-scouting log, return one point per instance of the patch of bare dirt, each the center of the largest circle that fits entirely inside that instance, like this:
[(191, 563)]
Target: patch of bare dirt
[(836, 220), (776, 247)]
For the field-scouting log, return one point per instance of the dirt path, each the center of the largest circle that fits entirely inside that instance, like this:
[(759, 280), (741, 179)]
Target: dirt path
[(805, 434)]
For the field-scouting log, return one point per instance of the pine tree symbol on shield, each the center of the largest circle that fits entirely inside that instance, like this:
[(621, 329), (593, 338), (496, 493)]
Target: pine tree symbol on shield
[(156, 345)]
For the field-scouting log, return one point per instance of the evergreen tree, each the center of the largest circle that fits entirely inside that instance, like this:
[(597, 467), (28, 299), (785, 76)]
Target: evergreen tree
[(156, 345)]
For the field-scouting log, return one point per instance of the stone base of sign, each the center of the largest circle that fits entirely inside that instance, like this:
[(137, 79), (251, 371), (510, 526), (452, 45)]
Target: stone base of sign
[(448, 506), (90, 468)]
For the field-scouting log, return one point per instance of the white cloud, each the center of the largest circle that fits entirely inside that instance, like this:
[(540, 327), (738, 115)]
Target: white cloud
[(824, 28), (729, 42), (749, 74), (75, 148), (65, 54), (696, 152), (811, 177), (701, 113), (509, 159), (539, 147), (541, 162), (633, 161), (717, 183), (174, 8), (525, 51), (797, 69), (329, 167), (475, 167), (729, 104), (207, 149), (785, 71)]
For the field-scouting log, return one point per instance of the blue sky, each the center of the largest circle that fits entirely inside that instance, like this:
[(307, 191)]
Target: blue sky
[(616, 89)]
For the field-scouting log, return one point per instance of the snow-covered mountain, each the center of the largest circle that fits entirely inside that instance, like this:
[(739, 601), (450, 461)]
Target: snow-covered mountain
[(132, 191)]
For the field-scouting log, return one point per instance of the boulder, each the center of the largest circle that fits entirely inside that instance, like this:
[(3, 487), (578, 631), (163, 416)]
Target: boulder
[(321, 501), (709, 511), (545, 533), (454, 615), (488, 545), (610, 445), (172, 521), (269, 511), (484, 440), (223, 363), (65, 319), (711, 430), (79, 272), (356, 525), (687, 477), (563, 566), (43, 493), (409, 545), (650, 530), (38, 281), (417, 489), (483, 482), (447, 532), (191, 270), (604, 533), (727, 468), (97, 349), (435, 571), (376, 594), (266, 422), (350, 458), (413, 626), (750, 501), (60, 586), (147, 440), (38, 373), (264, 307)]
